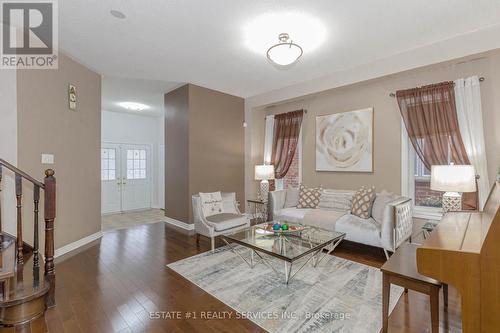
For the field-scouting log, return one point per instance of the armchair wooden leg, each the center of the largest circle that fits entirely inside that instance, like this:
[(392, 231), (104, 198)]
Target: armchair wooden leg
[(197, 239)]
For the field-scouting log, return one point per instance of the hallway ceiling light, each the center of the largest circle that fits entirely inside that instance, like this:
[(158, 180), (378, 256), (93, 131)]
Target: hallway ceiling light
[(285, 52), (133, 106)]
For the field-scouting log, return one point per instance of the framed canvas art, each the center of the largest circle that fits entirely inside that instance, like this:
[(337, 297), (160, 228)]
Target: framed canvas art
[(344, 141)]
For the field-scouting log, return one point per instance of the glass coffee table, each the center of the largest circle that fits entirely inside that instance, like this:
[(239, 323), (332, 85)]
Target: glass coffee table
[(289, 246)]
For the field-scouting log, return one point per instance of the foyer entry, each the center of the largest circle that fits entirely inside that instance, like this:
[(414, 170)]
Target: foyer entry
[(125, 177)]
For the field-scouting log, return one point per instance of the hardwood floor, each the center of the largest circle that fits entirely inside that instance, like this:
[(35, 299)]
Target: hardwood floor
[(114, 285)]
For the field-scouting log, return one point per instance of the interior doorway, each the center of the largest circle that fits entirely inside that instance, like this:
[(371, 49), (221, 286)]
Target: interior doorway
[(126, 177)]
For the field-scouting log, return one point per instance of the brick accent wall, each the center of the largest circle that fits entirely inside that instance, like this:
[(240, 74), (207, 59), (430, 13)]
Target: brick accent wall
[(291, 179), (424, 196)]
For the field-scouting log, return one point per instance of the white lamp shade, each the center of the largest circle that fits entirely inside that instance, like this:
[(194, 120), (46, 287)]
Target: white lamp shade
[(453, 178), (264, 172)]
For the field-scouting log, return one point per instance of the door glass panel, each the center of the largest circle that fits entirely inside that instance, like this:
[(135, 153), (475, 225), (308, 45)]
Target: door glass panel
[(108, 164), (136, 164)]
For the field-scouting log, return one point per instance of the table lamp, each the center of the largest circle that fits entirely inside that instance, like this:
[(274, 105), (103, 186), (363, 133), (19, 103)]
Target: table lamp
[(453, 180), (264, 173)]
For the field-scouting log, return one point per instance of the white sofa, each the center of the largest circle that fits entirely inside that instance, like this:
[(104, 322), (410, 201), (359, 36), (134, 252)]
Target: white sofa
[(392, 226)]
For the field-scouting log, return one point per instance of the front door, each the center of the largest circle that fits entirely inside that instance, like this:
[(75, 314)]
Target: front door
[(136, 188), (125, 177)]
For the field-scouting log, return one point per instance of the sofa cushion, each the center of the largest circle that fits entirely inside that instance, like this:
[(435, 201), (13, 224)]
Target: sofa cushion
[(211, 203), (322, 218), (225, 221), (291, 214), (292, 197), (308, 197), (362, 202), (381, 201), (336, 200), (357, 229)]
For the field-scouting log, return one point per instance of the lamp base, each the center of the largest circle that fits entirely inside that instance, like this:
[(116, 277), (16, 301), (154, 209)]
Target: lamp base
[(264, 190), (452, 202)]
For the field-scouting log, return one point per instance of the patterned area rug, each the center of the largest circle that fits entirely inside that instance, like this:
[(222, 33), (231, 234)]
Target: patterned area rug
[(337, 296)]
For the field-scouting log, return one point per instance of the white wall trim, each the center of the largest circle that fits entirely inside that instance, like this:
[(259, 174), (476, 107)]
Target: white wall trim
[(75, 245), (179, 224)]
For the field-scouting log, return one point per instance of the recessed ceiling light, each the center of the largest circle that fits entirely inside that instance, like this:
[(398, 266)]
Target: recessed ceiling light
[(305, 30), (117, 14), (133, 106)]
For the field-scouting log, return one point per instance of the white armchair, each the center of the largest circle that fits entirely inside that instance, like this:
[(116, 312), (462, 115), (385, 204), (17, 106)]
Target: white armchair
[(229, 221)]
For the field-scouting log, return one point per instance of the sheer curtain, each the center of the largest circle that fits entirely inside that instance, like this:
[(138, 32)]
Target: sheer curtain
[(430, 117), (286, 137), (268, 139), (470, 121)]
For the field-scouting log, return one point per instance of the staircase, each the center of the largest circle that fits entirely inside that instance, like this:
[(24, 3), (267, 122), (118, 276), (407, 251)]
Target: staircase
[(27, 279)]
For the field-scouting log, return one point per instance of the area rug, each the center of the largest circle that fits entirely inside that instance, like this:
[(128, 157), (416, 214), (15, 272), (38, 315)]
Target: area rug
[(337, 296)]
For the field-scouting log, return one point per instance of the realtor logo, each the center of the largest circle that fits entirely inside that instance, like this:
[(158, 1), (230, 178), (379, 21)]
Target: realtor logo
[(29, 34)]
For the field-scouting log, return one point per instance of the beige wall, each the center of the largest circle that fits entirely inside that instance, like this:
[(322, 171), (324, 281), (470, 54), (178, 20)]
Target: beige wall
[(387, 128), (212, 159), (216, 143), (46, 125), (176, 154)]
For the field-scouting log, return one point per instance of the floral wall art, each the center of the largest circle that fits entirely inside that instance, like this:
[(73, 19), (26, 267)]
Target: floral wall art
[(344, 141)]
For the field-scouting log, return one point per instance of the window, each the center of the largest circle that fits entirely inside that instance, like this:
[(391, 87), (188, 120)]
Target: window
[(136, 164), (108, 164), (416, 183), (423, 195)]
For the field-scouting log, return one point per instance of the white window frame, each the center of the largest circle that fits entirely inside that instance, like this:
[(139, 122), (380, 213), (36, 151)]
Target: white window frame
[(408, 179)]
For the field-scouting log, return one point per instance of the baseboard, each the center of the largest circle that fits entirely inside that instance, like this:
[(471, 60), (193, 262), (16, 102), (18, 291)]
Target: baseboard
[(179, 224), (75, 245)]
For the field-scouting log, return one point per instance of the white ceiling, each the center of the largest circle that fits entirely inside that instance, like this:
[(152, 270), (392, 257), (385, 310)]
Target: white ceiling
[(203, 41), (148, 92)]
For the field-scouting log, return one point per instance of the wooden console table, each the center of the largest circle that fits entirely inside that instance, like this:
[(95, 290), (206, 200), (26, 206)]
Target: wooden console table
[(401, 269)]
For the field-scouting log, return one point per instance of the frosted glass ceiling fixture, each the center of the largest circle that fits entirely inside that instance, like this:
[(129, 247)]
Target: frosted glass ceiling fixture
[(133, 106), (304, 34), (285, 52)]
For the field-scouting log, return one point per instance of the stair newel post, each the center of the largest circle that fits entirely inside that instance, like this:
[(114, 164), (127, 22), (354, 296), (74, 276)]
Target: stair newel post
[(36, 200), (49, 216), (19, 206)]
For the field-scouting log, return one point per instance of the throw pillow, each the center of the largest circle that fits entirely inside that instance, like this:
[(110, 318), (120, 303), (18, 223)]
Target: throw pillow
[(292, 197), (211, 203), (362, 202), (381, 201), (308, 197), (335, 200)]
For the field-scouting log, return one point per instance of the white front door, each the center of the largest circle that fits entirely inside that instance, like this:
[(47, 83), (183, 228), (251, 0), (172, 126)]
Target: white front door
[(125, 177), (136, 175), (110, 179)]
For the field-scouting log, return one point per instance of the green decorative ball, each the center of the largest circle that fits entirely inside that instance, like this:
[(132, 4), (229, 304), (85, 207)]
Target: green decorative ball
[(284, 227)]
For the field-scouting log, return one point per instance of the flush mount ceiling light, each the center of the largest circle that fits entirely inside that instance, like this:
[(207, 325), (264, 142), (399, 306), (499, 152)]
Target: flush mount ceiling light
[(285, 52), (306, 31), (133, 106), (117, 14)]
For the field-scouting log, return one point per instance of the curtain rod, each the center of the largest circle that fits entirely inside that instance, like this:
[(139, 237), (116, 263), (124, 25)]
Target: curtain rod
[(305, 111), (481, 79)]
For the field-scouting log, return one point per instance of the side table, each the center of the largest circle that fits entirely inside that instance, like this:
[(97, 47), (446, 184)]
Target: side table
[(258, 210)]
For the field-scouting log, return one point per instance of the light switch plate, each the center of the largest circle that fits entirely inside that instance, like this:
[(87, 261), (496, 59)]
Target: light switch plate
[(47, 158)]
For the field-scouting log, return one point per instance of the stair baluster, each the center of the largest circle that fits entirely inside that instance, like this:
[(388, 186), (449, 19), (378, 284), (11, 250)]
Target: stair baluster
[(19, 197), (50, 214), (36, 200)]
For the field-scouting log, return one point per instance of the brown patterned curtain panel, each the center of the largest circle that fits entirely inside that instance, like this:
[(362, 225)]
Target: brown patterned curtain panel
[(285, 140), (430, 117)]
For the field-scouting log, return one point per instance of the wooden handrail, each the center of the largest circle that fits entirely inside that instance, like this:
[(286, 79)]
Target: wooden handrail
[(49, 187), (21, 173)]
